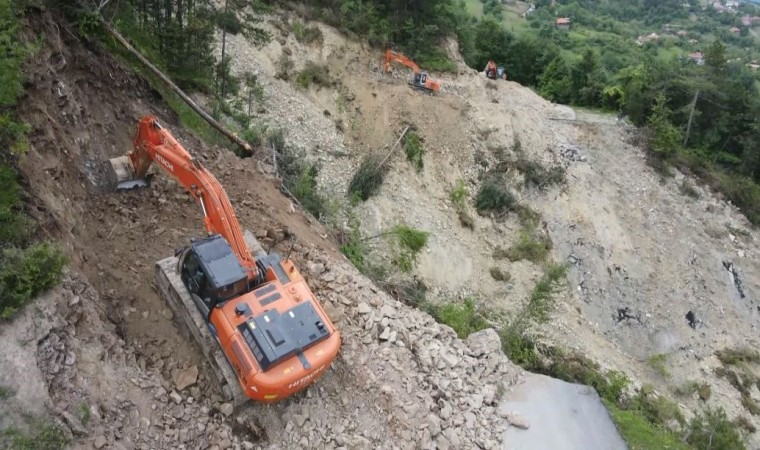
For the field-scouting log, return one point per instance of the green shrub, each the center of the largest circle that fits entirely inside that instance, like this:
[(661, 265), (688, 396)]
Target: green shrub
[(26, 273), (14, 225), (355, 249), (13, 134), (656, 409), (228, 21), (367, 179), (13, 51), (534, 174), (307, 34), (458, 197), (414, 150), (712, 430), (462, 317), (437, 60), (492, 196), (313, 73), (410, 242)]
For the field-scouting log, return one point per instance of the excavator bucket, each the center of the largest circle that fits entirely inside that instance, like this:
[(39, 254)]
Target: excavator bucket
[(122, 174)]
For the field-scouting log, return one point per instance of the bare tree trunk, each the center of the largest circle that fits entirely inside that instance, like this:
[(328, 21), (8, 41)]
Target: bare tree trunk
[(233, 137)]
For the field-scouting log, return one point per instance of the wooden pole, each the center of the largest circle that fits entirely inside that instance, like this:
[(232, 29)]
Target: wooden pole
[(216, 125), (691, 116)]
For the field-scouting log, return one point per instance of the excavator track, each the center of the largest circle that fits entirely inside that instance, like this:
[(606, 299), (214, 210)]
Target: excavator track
[(176, 295)]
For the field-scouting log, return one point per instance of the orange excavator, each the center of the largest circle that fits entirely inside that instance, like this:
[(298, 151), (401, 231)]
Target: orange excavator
[(493, 72), (420, 79), (275, 337)]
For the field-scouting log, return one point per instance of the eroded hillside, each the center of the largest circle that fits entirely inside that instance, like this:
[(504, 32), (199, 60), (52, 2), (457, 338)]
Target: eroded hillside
[(663, 273)]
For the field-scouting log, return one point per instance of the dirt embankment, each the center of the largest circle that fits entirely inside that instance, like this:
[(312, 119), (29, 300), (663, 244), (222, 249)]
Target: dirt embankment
[(106, 343)]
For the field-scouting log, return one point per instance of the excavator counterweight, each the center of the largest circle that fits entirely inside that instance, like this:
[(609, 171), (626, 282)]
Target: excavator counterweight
[(257, 322)]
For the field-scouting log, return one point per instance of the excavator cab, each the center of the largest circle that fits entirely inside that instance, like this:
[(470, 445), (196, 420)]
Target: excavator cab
[(211, 272)]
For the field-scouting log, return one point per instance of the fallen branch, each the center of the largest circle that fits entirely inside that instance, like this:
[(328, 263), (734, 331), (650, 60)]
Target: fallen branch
[(216, 125), (403, 133)]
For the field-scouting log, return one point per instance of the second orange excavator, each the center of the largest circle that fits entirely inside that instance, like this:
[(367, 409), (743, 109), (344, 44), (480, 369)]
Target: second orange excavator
[(275, 337), (420, 79)]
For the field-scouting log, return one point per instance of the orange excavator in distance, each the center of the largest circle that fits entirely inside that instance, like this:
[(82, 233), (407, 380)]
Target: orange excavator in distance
[(273, 333), (493, 72), (420, 79)]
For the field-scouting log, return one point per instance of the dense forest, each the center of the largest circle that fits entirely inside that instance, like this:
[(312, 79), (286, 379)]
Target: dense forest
[(702, 117)]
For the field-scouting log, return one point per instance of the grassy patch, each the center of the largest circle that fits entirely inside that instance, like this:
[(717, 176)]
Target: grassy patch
[(84, 413), (640, 434), (462, 317), (42, 435), (307, 34), (657, 363), (737, 356), (530, 248), (414, 150), (367, 179)]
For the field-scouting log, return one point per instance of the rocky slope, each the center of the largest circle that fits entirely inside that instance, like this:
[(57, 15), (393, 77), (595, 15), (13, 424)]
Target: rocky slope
[(642, 253)]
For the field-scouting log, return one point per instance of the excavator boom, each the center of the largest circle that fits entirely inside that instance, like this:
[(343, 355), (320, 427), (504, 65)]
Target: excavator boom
[(275, 337)]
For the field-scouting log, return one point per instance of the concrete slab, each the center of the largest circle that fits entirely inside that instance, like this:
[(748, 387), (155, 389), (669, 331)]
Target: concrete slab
[(558, 416)]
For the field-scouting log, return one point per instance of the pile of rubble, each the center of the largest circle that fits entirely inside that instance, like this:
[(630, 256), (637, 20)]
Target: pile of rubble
[(402, 381), (571, 152)]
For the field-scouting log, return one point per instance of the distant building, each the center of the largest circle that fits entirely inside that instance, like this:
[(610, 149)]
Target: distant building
[(693, 41), (563, 23), (648, 38), (746, 21), (682, 33), (735, 30), (754, 67), (718, 6), (697, 57), (732, 4)]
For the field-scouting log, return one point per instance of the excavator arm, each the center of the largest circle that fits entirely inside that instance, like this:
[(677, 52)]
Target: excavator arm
[(154, 143), (391, 56)]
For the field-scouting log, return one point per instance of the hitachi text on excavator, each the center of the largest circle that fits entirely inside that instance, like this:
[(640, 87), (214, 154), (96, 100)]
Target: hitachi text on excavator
[(255, 319), (420, 79)]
